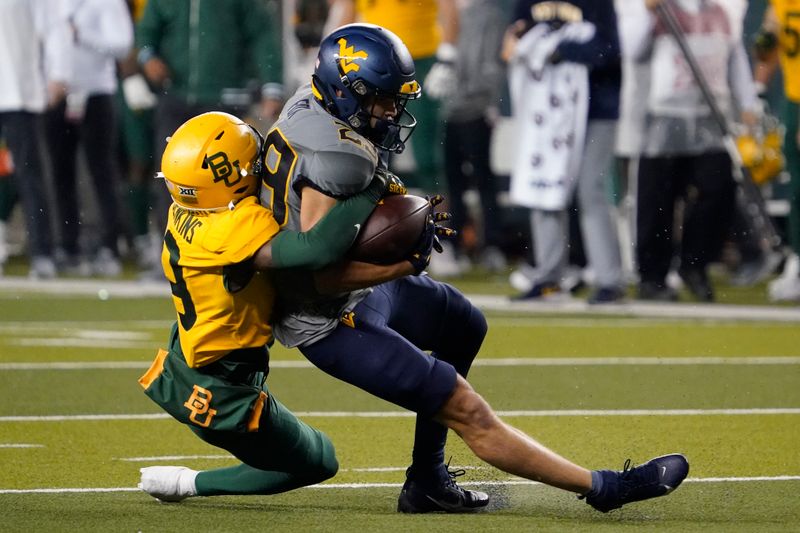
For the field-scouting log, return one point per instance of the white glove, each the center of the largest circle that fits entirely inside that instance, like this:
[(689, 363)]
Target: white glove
[(137, 93), (441, 82)]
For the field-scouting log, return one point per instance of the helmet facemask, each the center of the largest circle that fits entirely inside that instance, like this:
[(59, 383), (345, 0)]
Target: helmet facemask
[(387, 133)]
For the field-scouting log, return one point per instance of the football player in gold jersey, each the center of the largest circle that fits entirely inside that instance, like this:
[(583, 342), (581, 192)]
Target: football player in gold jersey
[(212, 378), (778, 44)]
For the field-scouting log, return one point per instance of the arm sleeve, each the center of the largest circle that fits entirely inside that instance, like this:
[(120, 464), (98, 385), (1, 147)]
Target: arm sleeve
[(331, 237), (51, 27), (149, 27), (521, 11), (115, 37), (635, 25), (741, 79), (603, 49)]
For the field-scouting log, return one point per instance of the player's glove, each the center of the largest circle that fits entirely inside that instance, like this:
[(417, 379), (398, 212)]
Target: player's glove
[(394, 185), (440, 82), (429, 240)]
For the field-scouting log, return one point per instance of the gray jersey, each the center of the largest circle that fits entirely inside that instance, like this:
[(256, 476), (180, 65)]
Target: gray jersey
[(307, 147)]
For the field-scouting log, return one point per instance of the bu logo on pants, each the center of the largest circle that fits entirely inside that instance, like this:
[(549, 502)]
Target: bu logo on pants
[(199, 404)]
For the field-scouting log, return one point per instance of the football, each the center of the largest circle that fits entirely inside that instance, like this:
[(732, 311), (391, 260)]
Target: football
[(392, 230)]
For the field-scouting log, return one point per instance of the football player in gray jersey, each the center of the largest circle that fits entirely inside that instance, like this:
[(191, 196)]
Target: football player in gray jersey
[(327, 144)]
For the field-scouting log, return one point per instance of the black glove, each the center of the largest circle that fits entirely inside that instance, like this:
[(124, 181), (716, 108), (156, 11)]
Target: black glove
[(429, 240), (394, 185), (421, 256)]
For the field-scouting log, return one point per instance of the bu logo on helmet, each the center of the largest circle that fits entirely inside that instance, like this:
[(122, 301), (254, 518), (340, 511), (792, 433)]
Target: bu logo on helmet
[(223, 169), (348, 55)]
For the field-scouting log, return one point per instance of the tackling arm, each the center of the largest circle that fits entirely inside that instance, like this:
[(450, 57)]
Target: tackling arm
[(329, 229), (348, 276)]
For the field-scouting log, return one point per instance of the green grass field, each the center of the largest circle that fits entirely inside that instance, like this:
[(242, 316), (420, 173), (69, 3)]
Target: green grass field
[(75, 426)]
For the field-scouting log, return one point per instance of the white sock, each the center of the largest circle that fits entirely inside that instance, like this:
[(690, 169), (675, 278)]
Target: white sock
[(186, 483)]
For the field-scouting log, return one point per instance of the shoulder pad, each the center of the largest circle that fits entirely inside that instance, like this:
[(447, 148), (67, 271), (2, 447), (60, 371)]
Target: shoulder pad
[(339, 173)]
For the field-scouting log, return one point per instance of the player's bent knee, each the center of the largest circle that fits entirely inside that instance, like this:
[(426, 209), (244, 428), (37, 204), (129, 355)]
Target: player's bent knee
[(466, 412), (328, 465)]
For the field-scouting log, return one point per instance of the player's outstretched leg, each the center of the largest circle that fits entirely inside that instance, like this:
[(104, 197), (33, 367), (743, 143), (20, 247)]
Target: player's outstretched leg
[(512, 451), (657, 477)]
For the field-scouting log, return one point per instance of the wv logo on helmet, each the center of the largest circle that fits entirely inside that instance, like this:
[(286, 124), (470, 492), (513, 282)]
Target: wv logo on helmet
[(348, 56), (223, 169)]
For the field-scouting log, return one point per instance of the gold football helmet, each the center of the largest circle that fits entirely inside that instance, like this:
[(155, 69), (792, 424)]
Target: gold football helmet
[(212, 161), (762, 154)]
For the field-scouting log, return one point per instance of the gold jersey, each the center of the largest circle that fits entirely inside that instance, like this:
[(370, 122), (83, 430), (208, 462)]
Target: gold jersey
[(788, 15), (414, 21), (222, 302)]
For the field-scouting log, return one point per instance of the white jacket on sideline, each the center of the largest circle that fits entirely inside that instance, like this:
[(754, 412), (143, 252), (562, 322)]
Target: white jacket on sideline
[(32, 50), (103, 34)]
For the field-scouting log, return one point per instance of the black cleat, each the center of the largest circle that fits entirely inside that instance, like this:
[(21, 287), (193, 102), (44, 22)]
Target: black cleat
[(657, 477), (424, 496)]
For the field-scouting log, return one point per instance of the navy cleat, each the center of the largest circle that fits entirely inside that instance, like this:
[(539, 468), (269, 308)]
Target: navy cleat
[(444, 495), (657, 477)]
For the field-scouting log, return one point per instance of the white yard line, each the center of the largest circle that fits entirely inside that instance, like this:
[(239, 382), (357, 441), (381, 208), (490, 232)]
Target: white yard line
[(171, 458), (686, 311), (87, 490), (406, 414), (51, 326), (109, 289), (21, 445), (72, 342), (494, 362)]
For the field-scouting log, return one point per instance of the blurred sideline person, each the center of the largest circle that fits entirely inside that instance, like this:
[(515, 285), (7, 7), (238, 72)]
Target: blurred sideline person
[(683, 155), (409, 340), (630, 126), (33, 74), (569, 57), (209, 55), (213, 376), (469, 110), (136, 103), (101, 32), (430, 30), (778, 44)]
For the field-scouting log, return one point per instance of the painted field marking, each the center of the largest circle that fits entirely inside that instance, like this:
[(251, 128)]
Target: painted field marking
[(21, 445), (408, 414), (73, 342), (172, 458), (50, 326), (494, 362), (747, 479), (621, 322)]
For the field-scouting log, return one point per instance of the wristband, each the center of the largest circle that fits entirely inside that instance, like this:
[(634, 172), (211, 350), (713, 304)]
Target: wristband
[(145, 54)]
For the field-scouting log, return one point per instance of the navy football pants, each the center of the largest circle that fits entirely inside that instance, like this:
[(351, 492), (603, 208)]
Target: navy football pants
[(385, 351)]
